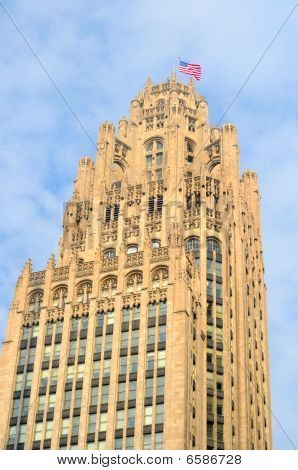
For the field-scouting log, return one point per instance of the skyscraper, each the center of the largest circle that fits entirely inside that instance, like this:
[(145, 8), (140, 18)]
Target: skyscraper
[(149, 331)]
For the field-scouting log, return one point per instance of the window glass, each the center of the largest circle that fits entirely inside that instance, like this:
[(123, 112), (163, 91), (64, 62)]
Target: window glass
[(109, 253), (147, 442), (48, 430), (132, 249), (161, 358), (120, 419), (131, 414), (132, 390), (103, 422), (129, 443), (155, 243), (147, 415), (159, 441)]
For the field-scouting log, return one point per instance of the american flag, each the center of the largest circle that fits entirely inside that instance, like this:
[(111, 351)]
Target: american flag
[(190, 69)]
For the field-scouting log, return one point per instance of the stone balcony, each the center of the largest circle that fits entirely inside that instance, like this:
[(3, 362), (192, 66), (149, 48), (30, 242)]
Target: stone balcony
[(134, 259), (109, 264), (85, 269), (37, 278), (160, 254), (61, 274)]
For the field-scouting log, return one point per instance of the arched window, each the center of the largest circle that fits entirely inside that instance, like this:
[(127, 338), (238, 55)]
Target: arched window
[(192, 245), (155, 243), (160, 277), (35, 301), (109, 253), (154, 154), (132, 249), (134, 282), (84, 290), (213, 245), (109, 287), (59, 296)]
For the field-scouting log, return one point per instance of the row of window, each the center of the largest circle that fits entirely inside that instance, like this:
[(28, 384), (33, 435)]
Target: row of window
[(108, 289), (192, 244), (214, 351)]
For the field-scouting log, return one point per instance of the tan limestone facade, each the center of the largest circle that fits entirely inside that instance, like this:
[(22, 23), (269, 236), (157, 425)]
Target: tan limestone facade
[(149, 331)]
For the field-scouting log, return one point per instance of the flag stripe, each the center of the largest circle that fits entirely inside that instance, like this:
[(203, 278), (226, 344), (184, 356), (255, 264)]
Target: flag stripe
[(190, 69)]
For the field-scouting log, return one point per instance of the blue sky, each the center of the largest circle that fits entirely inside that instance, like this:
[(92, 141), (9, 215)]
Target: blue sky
[(100, 54)]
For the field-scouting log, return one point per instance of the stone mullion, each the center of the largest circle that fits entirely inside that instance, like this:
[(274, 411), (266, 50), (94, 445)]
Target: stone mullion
[(226, 341), (142, 356), (241, 333), (260, 362), (87, 376), (114, 373), (126, 396), (251, 362), (37, 364), (266, 369), (201, 360), (263, 365), (61, 377), (176, 379)]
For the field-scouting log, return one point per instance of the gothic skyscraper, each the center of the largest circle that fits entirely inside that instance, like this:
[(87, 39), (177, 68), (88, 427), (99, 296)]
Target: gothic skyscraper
[(149, 330)]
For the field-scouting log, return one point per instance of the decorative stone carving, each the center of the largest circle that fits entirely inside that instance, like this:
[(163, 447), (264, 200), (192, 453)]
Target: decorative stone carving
[(58, 297), (109, 286), (37, 278), (160, 277), (157, 295), (54, 314), (159, 254), (134, 282), (32, 313), (134, 259), (61, 274), (175, 235), (85, 269), (109, 264), (121, 149), (105, 305), (83, 292), (78, 242), (81, 309), (131, 300)]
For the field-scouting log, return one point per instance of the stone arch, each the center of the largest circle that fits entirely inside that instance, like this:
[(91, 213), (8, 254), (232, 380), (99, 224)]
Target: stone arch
[(134, 282), (35, 300), (160, 277), (83, 291), (59, 295), (108, 286)]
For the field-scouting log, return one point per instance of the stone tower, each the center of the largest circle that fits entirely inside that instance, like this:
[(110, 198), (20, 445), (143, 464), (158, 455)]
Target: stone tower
[(150, 328)]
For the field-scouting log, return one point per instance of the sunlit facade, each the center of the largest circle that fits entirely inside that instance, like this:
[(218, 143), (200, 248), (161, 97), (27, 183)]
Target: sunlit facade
[(149, 330)]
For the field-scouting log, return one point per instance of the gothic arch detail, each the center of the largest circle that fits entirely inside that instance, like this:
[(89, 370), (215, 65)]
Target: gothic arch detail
[(134, 282), (83, 291), (109, 287), (59, 296), (160, 277)]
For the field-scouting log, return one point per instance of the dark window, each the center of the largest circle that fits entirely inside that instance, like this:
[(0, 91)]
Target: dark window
[(108, 214), (116, 211)]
